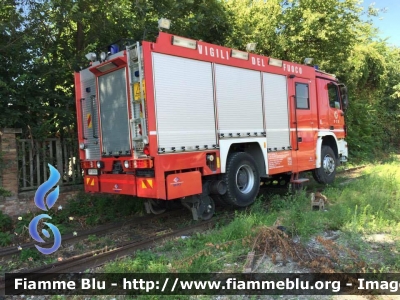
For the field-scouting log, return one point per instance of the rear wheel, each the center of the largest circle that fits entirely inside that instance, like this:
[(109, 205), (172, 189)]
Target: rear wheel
[(327, 172), (242, 179)]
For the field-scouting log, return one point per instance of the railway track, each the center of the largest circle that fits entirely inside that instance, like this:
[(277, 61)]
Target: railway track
[(108, 228), (98, 231), (99, 257)]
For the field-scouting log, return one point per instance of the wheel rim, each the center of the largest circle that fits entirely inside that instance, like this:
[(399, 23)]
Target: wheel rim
[(329, 164), (245, 179), (209, 211)]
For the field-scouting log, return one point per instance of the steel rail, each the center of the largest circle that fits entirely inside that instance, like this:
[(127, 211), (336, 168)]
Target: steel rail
[(99, 230), (97, 258)]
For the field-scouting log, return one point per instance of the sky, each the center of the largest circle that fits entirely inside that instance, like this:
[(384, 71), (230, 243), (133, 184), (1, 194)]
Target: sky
[(389, 21)]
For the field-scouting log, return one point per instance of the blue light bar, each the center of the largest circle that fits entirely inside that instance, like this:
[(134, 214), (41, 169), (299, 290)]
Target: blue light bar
[(114, 49)]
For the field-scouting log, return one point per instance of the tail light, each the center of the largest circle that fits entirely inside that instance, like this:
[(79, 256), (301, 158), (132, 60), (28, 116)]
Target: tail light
[(92, 164), (143, 163), (138, 164), (146, 150), (88, 164)]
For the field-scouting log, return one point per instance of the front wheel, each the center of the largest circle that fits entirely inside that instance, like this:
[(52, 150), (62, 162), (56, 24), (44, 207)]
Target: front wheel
[(327, 172), (242, 179)]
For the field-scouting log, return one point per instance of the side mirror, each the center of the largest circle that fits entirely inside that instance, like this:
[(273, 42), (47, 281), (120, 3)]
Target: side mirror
[(344, 96)]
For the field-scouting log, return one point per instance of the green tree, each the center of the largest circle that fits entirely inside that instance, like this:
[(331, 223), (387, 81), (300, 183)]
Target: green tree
[(13, 54), (46, 40), (43, 41), (255, 22)]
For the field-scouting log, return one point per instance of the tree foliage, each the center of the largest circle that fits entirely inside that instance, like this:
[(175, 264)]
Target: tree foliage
[(43, 41)]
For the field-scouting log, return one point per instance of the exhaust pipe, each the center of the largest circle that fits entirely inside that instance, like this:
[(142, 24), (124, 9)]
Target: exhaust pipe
[(217, 187)]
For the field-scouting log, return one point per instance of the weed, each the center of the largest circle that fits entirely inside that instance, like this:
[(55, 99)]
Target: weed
[(103, 242), (12, 264), (5, 239), (4, 192), (278, 203), (79, 246), (97, 209), (5, 222), (29, 254), (144, 262), (21, 227), (92, 238)]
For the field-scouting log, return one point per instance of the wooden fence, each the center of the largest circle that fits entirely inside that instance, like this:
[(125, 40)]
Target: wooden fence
[(33, 157)]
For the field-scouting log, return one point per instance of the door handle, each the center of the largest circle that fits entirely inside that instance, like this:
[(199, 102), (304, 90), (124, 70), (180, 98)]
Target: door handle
[(299, 139)]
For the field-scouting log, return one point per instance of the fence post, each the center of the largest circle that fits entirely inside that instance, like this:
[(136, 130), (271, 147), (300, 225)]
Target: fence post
[(8, 149), (59, 160)]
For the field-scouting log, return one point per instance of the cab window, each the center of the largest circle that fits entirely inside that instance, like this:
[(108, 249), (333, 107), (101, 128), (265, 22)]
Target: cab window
[(333, 95), (302, 101)]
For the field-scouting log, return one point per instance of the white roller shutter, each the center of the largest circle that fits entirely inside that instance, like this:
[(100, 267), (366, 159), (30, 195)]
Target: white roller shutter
[(239, 101), (184, 103), (276, 111)]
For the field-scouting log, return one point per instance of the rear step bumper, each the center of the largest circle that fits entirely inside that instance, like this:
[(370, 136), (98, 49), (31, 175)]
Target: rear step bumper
[(123, 184), (111, 183)]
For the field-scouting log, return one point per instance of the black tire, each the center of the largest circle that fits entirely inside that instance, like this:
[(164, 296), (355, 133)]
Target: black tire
[(327, 172), (242, 179)]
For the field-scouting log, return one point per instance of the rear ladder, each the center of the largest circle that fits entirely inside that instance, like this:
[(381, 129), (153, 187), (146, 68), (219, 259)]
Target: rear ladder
[(138, 120)]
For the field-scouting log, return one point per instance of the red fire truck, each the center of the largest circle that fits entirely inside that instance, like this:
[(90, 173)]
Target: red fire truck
[(180, 119)]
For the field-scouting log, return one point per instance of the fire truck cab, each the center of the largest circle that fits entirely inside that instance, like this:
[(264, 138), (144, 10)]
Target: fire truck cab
[(180, 119)]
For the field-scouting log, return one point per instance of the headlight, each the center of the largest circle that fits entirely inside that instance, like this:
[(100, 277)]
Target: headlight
[(103, 56), (100, 165), (210, 157), (82, 146), (91, 56), (126, 164)]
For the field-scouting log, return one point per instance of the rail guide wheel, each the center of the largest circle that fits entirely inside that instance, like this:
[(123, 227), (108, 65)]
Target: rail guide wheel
[(201, 206), (154, 207)]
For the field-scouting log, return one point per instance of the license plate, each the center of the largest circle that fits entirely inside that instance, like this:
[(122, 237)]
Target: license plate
[(93, 172)]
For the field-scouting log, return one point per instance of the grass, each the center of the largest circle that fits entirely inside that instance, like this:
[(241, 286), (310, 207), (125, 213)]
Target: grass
[(362, 207), (79, 213), (83, 211)]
